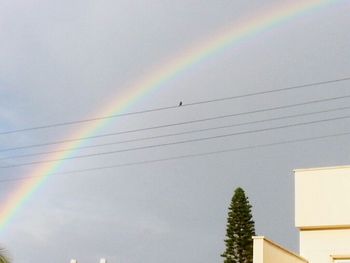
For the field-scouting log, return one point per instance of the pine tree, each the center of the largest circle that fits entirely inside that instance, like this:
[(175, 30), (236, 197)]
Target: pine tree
[(240, 229)]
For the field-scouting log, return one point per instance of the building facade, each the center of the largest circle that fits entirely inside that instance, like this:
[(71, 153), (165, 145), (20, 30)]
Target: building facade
[(322, 215)]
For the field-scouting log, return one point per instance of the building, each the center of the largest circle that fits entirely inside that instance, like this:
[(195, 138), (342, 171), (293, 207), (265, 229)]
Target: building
[(102, 260), (322, 215)]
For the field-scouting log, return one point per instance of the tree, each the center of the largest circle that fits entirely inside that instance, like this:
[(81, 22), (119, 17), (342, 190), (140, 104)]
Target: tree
[(240, 229)]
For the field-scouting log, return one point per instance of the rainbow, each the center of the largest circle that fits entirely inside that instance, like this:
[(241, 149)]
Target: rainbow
[(228, 38)]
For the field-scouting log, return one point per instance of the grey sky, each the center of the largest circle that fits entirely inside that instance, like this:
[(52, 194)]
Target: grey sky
[(64, 60)]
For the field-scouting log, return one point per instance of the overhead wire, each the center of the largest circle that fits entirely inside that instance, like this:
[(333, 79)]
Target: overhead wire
[(175, 134), (186, 156), (174, 143), (176, 124), (173, 107)]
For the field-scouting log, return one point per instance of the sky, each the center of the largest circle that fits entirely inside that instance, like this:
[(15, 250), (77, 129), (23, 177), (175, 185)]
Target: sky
[(64, 61)]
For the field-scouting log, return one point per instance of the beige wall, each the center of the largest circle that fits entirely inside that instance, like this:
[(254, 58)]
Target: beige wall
[(320, 245), (322, 212), (322, 197), (266, 251)]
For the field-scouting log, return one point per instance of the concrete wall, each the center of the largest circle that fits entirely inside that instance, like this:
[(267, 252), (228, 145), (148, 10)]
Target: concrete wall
[(322, 246), (322, 213), (266, 251), (322, 197)]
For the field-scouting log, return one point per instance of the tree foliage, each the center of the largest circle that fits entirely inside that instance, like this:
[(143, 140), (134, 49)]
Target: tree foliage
[(239, 231)]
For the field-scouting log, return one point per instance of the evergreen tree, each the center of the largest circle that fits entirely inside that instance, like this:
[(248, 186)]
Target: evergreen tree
[(240, 229)]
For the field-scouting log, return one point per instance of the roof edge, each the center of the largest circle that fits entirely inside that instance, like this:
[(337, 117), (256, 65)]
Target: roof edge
[(322, 168)]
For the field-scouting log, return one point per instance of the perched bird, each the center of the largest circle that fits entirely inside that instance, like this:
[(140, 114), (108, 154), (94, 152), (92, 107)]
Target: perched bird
[(180, 104)]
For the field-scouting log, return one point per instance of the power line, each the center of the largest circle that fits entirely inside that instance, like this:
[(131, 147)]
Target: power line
[(176, 124), (174, 143), (173, 107), (175, 134), (187, 156)]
